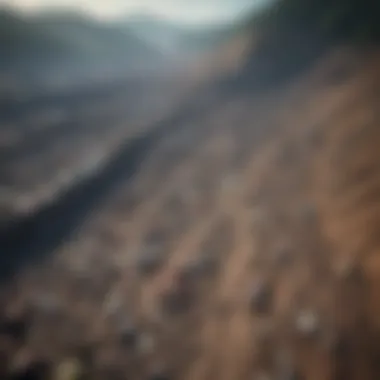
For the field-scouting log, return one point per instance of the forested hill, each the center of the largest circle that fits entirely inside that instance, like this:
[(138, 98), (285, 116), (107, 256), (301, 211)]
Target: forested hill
[(289, 35), (354, 19)]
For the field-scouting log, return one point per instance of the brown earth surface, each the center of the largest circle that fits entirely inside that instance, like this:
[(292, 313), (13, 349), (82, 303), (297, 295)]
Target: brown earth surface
[(246, 247)]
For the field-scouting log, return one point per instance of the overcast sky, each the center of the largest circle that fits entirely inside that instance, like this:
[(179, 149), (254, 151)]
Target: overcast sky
[(192, 11)]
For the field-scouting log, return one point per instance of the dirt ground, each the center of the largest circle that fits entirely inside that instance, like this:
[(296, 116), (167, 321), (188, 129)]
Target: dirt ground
[(245, 248), (48, 143)]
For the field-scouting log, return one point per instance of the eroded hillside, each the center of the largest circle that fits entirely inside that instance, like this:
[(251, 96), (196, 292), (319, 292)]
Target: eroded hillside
[(245, 247)]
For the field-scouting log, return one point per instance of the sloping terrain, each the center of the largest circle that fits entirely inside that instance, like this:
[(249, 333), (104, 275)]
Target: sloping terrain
[(244, 247), (56, 139)]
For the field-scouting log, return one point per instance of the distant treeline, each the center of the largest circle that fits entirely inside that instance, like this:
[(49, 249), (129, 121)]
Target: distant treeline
[(59, 38), (348, 19), (291, 35)]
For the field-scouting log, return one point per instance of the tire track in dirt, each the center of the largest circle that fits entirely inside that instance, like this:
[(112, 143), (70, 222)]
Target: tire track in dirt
[(226, 318)]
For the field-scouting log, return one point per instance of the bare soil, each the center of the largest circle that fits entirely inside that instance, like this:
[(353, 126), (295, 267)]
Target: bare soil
[(244, 247)]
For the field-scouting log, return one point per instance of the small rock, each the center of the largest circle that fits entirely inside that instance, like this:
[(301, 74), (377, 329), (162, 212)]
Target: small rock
[(195, 271), (147, 344), (261, 297), (113, 305), (185, 278), (129, 337), (307, 323), (70, 369), (149, 262)]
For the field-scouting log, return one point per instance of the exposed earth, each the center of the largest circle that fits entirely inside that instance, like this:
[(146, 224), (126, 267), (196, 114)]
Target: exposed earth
[(244, 245)]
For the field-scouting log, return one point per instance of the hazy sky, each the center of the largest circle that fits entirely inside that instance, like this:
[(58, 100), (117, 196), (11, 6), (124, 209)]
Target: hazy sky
[(180, 10)]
